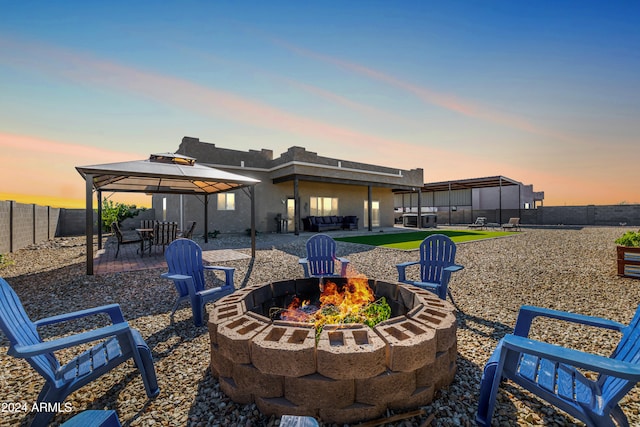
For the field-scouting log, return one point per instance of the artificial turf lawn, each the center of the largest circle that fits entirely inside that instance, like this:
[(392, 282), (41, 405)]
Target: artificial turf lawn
[(413, 239)]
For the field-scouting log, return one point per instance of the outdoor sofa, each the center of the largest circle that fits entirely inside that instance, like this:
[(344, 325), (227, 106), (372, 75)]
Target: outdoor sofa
[(330, 222)]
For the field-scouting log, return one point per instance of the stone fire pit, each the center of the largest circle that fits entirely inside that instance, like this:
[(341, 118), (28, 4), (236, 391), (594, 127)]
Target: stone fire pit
[(353, 373)]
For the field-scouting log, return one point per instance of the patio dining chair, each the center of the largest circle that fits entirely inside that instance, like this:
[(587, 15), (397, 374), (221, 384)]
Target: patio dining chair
[(164, 233), (121, 239), (117, 343)]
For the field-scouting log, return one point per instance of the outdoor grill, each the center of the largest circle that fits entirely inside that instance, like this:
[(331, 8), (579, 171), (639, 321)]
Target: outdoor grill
[(349, 372)]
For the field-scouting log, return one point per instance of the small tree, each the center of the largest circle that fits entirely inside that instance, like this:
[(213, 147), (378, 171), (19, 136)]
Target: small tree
[(116, 212)]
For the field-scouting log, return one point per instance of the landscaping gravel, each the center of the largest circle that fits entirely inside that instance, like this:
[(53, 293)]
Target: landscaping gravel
[(572, 270)]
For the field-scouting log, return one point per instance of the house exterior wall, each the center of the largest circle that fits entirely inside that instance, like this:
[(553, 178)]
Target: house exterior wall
[(317, 177)]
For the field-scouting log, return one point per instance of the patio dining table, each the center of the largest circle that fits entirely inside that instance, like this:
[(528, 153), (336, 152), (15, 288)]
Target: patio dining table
[(146, 236)]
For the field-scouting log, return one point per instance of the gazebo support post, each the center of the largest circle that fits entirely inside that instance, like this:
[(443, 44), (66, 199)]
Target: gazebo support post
[(206, 218), (252, 192), (99, 193), (89, 222)]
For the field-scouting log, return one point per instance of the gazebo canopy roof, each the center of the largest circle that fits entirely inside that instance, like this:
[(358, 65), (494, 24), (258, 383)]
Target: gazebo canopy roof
[(163, 173)]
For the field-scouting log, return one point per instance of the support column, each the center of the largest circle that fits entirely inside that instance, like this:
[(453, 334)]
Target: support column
[(369, 209), (419, 221), (253, 220), (99, 193), (296, 207), (500, 201), (206, 218), (88, 223)]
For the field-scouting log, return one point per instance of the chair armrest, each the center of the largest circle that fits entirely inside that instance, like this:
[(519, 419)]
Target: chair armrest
[(453, 268), (304, 262), (226, 290), (113, 310), (344, 262), (175, 276), (569, 356), (402, 270), (429, 285), (527, 313), (66, 342), (228, 273)]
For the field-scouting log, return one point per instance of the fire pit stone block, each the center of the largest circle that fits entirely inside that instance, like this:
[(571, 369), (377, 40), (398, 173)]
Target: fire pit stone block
[(410, 345), (222, 313), (442, 321), (421, 396), (287, 351), (348, 352), (317, 391), (220, 365), (279, 406), (234, 336), (229, 387), (386, 387), (352, 414), (251, 380)]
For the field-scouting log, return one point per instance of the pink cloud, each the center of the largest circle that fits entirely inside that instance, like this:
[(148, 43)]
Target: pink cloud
[(446, 101), (39, 166)]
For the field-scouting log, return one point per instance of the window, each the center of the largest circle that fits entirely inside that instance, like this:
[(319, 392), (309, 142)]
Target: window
[(375, 213), (226, 202), (323, 206)]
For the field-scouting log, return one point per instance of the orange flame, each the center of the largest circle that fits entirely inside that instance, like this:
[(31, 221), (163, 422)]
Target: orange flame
[(355, 294)]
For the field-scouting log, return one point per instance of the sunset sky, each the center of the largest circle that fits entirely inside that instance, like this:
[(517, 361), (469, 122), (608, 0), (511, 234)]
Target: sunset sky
[(546, 93)]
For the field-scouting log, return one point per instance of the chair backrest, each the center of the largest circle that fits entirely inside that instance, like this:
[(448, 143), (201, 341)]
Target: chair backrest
[(628, 350), (321, 254), (514, 221), (147, 223), (164, 232), (481, 220), (20, 330), (437, 251), (184, 256), (115, 229)]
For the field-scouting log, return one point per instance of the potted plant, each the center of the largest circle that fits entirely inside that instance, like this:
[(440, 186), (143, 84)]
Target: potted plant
[(628, 250)]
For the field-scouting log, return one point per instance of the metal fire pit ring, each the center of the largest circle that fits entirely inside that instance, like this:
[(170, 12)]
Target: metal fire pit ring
[(353, 373)]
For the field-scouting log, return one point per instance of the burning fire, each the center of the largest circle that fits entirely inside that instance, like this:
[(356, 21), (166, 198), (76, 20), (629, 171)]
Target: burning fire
[(347, 305)]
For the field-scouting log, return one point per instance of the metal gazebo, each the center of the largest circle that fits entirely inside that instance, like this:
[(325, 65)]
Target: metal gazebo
[(165, 173)]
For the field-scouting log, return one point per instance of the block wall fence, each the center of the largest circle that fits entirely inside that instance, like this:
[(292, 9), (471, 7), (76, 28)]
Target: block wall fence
[(26, 224)]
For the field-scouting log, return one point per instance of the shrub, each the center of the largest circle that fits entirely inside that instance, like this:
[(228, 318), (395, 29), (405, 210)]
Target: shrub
[(5, 261), (630, 238), (116, 212)]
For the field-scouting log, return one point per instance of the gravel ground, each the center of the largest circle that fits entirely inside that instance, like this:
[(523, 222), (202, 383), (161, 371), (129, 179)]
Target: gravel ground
[(573, 270)]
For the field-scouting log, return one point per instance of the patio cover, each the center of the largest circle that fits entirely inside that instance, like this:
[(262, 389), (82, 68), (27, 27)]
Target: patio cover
[(165, 173)]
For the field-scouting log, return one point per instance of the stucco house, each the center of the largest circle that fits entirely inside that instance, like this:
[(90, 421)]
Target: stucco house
[(293, 186)]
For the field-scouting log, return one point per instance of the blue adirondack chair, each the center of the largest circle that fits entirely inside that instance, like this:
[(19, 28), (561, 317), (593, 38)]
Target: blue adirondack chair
[(119, 343), (184, 259), (552, 372), (94, 418), (321, 258), (437, 262)]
